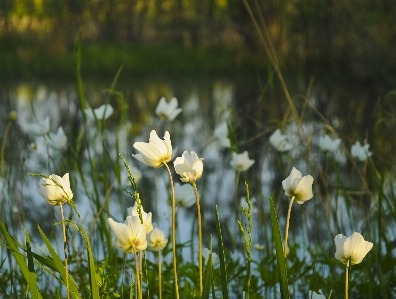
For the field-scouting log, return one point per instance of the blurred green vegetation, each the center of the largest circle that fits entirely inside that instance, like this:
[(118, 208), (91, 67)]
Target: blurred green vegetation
[(355, 38)]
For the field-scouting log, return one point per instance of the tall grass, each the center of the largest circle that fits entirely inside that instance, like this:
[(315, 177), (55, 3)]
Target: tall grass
[(247, 262)]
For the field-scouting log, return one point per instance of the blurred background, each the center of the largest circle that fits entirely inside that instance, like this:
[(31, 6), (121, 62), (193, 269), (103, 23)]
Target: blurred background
[(338, 59)]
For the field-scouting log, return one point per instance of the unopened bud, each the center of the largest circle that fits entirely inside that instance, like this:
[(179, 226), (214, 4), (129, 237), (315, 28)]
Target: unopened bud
[(12, 116)]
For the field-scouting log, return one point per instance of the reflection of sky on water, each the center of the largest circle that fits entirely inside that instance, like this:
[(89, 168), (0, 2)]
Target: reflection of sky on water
[(203, 110)]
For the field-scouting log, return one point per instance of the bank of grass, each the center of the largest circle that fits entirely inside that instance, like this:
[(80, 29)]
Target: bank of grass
[(103, 59)]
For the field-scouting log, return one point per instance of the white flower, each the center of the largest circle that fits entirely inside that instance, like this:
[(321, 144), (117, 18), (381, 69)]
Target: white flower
[(189, 166), (102, 112), (280, 142), (130, 236), (327, 144), (54, 194), (258, 247), (315, 295), (241, 162), (41, 128), (297, 186), (184, 195), (57, 140), (167, 111), (146, 217), (221, 133), (206, 253), (156, 239), (360, 152), (353, 248), (156, 152)]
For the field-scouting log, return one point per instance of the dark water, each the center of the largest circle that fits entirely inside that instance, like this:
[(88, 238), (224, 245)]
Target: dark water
[(254, 109)]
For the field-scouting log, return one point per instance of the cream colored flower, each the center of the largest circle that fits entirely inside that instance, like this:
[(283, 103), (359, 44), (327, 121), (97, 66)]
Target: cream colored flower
[(53, 193), (314, 295), (206, 253), (57, 140), (102, 112), (353, 248), (41, 128), (327, 144), (156, 239), (360, 152), (156, 152), (184, 195), (130, 236), (258, 247), (167, 111), (297, 186), (280, 142), (146, 217), (189, 166), (241, 162)]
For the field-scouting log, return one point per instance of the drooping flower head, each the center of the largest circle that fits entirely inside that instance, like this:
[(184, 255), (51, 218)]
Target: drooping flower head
[(130, 236), (167, 111), (55, 193), (184, 195), (102, 112), (146, 217), (241, 162), (360, 152), (327, 144), (156, 152), (189, 166), (57, 140), (280, 142), (298, 186), (353, 248), (41, 128), (156, 239)]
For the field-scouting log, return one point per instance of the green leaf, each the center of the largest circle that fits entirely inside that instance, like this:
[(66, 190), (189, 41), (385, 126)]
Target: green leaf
[(223, 268), (34, 292), (279, 252), (17, 255), (74, 291), (208, 275)]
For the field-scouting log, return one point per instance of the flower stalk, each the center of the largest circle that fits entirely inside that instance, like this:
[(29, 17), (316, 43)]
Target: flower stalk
[(287, 227), (159, 272), (199, 236), (139, 288), (173, 229), (65, 251)]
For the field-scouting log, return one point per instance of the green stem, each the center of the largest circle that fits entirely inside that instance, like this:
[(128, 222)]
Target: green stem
[(159, 273), (287, 227), (139, 288), (173, 230), (199, 236), (7, 130), (65, 251), (347, 280)]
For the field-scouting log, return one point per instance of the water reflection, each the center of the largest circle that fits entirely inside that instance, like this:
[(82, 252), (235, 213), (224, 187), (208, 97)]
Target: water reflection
[(253, 116)]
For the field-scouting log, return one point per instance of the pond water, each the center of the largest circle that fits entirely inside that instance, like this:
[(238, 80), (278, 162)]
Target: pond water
[(253, 110)]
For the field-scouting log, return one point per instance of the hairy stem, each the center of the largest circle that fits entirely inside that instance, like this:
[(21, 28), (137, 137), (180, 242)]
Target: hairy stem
[(65, 251), (199, 236), (287, 227), (173, 230)]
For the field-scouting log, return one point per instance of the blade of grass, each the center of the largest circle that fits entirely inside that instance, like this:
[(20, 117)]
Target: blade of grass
[(223, 268), (34, 292), (279, 252), (17, 255), (74, 291), (208, 275)]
